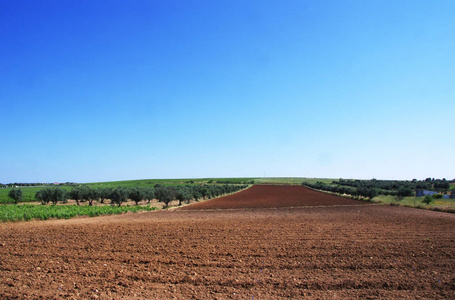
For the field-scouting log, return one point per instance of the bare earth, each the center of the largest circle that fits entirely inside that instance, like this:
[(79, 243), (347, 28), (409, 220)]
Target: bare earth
[(326, 249)]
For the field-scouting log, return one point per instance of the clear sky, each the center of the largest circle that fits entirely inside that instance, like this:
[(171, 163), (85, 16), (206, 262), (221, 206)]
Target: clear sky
[(115, 90)]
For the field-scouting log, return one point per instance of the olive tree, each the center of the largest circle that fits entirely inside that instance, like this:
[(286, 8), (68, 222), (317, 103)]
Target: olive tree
[(183, 194), (118, 196), (16, 195), (149, 194), (136, 194), (44, 195), (196, 193), (104, 194), (58, 195), (76, 194), (165, 194), (91, 195)]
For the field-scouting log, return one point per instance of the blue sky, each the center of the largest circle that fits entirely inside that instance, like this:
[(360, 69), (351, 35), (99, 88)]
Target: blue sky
[(115, 90)]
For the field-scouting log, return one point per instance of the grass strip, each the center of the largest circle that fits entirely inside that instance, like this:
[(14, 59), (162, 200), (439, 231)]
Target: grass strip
[(444, 205)]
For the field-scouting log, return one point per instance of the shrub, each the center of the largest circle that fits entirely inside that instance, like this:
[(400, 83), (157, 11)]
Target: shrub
[(405, 192), (427, 200), (398, 198)]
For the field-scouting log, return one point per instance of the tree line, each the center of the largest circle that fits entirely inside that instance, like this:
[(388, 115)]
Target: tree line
[(372, 188), (440, 185), (362, 191), (117, 196)]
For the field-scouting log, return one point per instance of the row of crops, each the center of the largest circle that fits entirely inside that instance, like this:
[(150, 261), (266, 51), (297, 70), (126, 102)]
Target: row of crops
[(28, 212), (110, 200), (117, 196)]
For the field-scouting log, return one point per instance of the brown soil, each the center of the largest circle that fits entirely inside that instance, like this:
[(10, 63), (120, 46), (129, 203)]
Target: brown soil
[(319, 252), (274, 196)]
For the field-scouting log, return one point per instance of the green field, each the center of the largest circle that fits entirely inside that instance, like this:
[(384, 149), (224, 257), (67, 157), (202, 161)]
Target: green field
[(246, 180), (29, 192), (44, 212), (291, 180), (152, 182), (447, 205)]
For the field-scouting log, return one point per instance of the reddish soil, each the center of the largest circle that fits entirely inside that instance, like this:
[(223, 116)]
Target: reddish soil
[(316, 252), (274, 196)]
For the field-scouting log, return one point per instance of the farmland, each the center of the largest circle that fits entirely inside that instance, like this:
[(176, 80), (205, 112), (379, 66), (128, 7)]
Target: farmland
[(97, 197), (29, 211), (30, 191), (289, 244), (28, 194)]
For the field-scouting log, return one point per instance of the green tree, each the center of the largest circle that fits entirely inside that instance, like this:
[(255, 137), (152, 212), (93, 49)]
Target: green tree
[(44, 195), (92, 195), (182, 194), (149, 194), (196, 194), (76, 194), (405, 192), (16, 195), (58, 195), (204, 192), (136, 194), (104, 193), (118, 196), (165, 194), (367, 192)]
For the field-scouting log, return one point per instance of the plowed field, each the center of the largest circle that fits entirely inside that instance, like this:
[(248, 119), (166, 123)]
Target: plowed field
[(339, 250), (273, 196)]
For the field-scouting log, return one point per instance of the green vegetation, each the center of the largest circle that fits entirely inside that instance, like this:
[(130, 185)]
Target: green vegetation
[(427, 200), (44, 212), (53, 195), (171, 182), (199, 181), (117, 196), (16, 195), (28, 192), (184, 190), (391, 192), (290, 180), (165, 194), (120, 195), (374, 187), (433, 203)]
